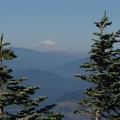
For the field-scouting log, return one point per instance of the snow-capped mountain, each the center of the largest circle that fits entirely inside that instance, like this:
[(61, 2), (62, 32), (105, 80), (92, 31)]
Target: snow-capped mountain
[(49, 45)]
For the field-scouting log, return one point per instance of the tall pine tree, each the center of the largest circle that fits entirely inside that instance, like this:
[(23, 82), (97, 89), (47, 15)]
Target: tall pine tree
[(103, 71), (12, 93)]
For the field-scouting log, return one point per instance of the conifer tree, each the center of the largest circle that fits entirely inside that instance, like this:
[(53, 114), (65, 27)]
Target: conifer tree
[(12, 93), (103, 71)]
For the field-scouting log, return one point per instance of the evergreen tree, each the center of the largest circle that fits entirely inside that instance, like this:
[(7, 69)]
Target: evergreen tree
[(103, 71), (14, 94)]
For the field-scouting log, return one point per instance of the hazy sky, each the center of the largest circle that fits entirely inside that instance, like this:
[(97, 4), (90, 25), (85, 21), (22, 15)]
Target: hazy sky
[(69, 23)]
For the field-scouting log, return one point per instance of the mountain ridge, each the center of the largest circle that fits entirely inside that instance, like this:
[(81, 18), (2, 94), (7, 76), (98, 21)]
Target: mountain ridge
[(69, 69), (28, 58)]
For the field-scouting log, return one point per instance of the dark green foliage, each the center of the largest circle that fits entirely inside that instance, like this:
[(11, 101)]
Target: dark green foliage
[(103, 98), (12, 92)]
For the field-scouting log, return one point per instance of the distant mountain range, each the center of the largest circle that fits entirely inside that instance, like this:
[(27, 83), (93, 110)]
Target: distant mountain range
[(50, 70), (54, 72), (49, 82), (28, 58)]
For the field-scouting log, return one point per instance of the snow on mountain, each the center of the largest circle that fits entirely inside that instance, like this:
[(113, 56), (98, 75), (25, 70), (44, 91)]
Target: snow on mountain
[(49, 45)]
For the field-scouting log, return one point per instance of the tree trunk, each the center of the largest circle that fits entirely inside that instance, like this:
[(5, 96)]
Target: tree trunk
[(98, 115), (1, 106)]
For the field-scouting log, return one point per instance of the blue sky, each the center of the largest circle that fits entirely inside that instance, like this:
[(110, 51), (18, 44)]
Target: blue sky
[(69, 23)]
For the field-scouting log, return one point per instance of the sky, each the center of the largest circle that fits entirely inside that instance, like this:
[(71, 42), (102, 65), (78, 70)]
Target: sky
[(69, 23)]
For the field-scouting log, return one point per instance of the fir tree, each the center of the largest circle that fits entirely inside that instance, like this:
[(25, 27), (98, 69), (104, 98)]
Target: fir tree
[(12, 93), (103, 71)]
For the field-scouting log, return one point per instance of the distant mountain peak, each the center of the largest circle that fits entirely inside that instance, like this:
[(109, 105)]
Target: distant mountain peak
[(48, 46), (47, 43)]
